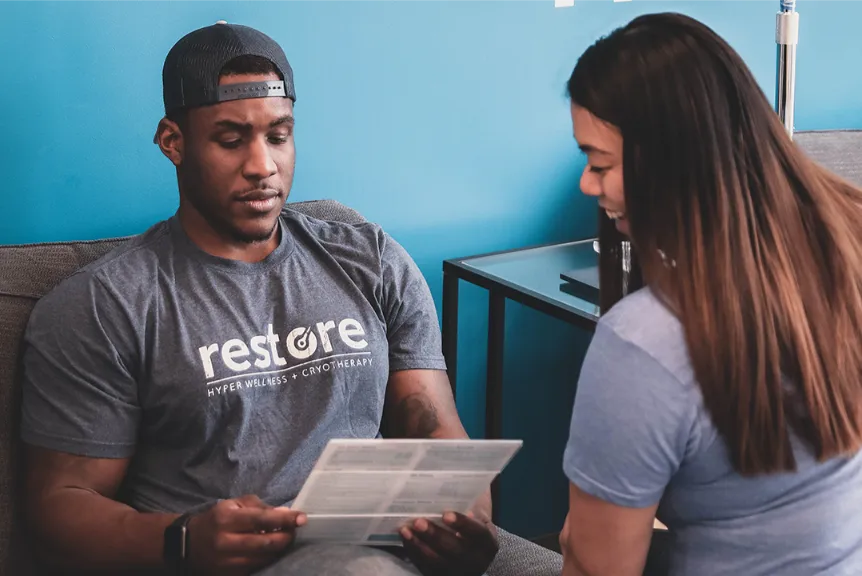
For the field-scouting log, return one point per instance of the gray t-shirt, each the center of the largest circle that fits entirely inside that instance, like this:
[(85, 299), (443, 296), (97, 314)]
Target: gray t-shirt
[(640, 434), (220, 378)]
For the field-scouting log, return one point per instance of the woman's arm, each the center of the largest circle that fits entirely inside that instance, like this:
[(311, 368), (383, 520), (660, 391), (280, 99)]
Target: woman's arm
[(603, 539), (633, 422)]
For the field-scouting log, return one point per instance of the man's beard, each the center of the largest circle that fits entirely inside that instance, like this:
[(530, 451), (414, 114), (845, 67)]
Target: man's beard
[(223, 226)]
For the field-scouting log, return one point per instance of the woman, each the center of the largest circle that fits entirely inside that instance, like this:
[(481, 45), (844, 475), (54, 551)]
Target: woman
[(725, 396)]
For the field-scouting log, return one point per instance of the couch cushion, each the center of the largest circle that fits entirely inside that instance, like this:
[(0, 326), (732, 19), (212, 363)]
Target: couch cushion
[(838, 150)]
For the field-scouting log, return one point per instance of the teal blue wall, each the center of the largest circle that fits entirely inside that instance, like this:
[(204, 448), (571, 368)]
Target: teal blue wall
[(444, 121)]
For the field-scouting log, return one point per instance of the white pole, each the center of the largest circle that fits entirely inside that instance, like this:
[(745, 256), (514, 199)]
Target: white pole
[(786, 37)]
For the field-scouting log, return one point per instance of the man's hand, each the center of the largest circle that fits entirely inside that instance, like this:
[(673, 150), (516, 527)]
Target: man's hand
[(464, 546), (240, 536)]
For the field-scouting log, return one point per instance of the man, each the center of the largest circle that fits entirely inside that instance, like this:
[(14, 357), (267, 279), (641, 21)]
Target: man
[(178, 391)]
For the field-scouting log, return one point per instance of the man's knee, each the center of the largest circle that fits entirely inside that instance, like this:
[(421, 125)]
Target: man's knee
[(339, 560)]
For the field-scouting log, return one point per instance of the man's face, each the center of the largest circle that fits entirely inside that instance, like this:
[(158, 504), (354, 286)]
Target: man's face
[(238, 162)]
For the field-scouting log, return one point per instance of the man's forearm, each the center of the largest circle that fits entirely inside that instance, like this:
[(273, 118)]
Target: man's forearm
[(421, 406), (417, 416), (88, 533), (428, 411)]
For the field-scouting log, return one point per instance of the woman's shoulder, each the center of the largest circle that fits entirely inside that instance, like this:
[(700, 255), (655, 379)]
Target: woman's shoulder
[(643, 321), (636, 408)]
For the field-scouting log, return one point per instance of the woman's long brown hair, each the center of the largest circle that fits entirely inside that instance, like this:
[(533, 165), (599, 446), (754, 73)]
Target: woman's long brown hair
[(756, 249)]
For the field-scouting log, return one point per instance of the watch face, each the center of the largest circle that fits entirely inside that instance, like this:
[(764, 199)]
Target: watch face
[(175, 543), (182, 542)]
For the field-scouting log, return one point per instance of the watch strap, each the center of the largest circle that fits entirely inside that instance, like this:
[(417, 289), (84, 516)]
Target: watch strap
[(176, 545)]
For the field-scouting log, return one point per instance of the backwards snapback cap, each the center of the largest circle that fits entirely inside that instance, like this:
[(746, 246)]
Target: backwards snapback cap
[(190, 76)]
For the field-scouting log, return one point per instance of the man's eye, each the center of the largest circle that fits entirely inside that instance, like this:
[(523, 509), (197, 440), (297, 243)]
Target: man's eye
[(278, 139), (230, 144)]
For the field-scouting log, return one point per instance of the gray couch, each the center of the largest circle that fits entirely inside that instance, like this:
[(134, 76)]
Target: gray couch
[(27, 272)]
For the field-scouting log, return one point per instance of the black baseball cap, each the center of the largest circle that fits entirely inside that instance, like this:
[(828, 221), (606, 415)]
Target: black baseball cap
[(190, 76)]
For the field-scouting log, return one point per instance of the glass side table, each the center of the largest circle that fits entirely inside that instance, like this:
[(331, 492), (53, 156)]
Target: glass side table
[(529, 276)]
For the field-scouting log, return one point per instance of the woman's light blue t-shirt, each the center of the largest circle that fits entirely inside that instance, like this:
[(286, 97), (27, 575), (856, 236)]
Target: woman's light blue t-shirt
[(640, 434)]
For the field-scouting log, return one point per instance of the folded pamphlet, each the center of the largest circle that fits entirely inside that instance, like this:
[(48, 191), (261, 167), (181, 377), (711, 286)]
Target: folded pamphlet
[(364, 491)]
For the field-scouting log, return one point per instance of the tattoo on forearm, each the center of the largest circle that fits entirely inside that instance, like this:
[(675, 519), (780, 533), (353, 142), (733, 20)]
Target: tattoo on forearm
[(416, 416)]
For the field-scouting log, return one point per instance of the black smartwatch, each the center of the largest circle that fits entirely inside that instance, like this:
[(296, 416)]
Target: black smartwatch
[(176, 550)]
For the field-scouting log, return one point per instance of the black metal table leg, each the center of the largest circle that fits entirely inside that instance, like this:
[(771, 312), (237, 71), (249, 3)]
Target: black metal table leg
[(494, 385), (450, 326)]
